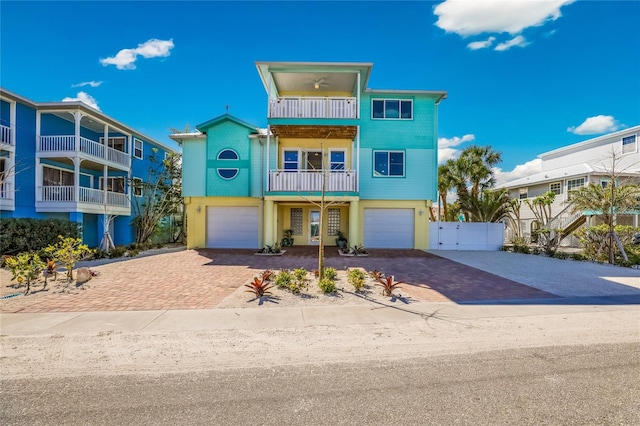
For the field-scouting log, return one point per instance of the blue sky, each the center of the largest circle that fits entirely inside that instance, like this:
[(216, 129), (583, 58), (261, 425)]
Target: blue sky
[(522, 76)]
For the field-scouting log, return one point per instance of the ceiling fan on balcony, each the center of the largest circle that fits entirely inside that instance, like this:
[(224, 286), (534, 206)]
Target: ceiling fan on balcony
[(318, 83)]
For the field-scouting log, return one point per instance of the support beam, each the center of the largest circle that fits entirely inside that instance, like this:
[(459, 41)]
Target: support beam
[(269, 236), (354, 223)]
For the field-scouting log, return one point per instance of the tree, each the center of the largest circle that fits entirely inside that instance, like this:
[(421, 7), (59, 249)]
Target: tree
[(489, 206), (445, 184), (161, 195)]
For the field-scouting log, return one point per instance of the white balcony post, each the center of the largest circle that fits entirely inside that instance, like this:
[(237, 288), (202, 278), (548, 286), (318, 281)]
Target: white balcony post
[(266, 166), (77, 116), (39, 180), (105, 183), (358, 98), (12, 123), (38, 126), (129, 145), (105, 140), (358, 158), (76, 178)]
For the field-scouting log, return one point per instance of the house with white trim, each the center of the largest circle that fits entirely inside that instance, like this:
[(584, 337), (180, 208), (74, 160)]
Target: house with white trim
[(572, 167)]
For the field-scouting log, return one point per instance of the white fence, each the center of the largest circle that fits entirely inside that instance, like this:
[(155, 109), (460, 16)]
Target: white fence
[(466, 236)]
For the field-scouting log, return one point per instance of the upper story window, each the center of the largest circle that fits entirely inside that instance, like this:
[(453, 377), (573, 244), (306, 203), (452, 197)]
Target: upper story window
[(56, 177), (114, 184), (137, 148), (388, 163), (573, 184), (392, 109), (523, 193), (118, 143), (290, 160), (337, 160), (136, 186), (556, 187), (228, 172), (629, 144)]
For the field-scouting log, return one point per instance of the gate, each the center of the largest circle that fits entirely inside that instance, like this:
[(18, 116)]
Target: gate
[(466, 236)]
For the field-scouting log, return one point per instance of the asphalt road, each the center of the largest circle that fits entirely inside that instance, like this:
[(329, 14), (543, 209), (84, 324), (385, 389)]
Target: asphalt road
[(578, 385)]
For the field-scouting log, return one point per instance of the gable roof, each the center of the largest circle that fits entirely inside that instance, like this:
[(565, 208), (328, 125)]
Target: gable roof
[(203, 127)]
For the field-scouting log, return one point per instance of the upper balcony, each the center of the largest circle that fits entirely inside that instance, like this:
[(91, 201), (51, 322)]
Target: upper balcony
[(313, 180), (87, 200), (67, 145), (313, 107), (6, 139), (7, 196)]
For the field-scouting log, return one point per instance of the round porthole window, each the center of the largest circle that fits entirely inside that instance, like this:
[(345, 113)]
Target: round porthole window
[(228, 172)]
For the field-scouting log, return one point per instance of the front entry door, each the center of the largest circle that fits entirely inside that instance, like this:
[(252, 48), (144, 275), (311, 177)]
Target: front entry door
[(314, 227)]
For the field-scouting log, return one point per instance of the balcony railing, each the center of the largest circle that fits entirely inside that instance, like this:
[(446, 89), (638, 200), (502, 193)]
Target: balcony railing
[(87, 146), (5, 134), (312, 107), (86, 195), (311, 180)]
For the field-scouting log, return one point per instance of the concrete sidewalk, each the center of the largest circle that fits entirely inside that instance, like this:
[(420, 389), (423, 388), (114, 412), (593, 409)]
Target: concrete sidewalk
[(160, 321)]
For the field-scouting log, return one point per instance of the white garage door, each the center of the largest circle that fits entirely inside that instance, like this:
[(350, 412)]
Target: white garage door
[(232, 227), (388, 228)]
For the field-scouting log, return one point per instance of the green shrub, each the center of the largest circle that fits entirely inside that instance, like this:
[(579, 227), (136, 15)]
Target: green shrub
[(283, 279), (19, 235), (68, 251), (327, 285), (25, 268), (299, 280), (356, 278), (330, 273), (578, 256), (560, 255), (592, 238)]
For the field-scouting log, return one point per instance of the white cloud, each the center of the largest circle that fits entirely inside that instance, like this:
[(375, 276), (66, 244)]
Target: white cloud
[(595, 125), (126, 58), (83, 97), (446, 147), (475, 45), (467, 18), (516, 41), (519, 171), (88, 83)]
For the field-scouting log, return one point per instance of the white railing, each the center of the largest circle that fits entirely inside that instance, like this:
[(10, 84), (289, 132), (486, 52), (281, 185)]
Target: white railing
[(86, 195), (311, 180), (312, 107), (5, 134), (6, 191), (57, 193), (87, 146)]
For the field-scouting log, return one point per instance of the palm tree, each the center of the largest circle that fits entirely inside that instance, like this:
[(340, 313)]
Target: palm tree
[(445, 184), (490, 206)]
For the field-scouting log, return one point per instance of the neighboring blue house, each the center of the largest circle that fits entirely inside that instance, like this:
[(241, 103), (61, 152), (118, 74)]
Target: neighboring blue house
[(73, 162), (376, 151)]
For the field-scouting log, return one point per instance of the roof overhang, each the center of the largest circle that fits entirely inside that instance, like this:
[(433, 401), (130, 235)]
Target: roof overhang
[(314, 132)]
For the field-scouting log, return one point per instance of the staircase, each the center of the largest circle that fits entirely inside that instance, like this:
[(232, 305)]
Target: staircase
[(566, 225)]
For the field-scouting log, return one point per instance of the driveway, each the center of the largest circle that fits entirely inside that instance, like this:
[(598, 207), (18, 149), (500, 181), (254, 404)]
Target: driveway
[(201, 279)]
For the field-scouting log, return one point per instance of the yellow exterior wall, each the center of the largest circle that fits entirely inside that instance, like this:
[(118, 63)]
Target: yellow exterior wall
[(421, 218), (314, 144), (196, 211)]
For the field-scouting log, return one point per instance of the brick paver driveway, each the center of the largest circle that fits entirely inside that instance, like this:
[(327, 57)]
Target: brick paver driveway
[(200, 279)]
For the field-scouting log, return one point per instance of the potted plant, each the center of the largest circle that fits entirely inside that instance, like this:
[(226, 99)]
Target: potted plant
[(341, 240), (287, 240)]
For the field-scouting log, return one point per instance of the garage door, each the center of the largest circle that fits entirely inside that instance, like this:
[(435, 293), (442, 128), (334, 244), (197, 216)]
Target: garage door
[(232, 227), (388, 228)]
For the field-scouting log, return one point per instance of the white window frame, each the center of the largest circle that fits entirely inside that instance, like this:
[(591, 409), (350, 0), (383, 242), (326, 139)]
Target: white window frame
[(136, 140), (298, 159), (111, 142), (634, 144), (570, 182), (135, 187), (523, 193), (559, 184), (344, 163), (60, 169), (111, 179), (389, 152), (384, 108)]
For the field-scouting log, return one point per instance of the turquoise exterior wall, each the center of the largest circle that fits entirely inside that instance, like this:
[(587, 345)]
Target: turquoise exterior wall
[(257, 164), (417, 138), (194, 171)]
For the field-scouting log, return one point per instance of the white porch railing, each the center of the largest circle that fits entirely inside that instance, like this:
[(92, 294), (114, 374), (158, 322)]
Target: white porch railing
[(5, 134), (6, 191), (87, 146), (86, 195), (311, 180), (312, 107)]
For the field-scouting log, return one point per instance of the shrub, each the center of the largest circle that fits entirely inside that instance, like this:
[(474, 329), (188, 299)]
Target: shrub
[(327, 285), (19, 235), (68, 251), (259, 287), (592, 238), (388, 286), (283, 279), (330, 273), (25, 268), (578, 256), (356, 279), (561, 255), (376, 275), (299, 280)]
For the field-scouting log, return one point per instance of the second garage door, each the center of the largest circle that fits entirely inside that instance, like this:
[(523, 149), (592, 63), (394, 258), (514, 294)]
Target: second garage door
[(389, 228), (232, 227)]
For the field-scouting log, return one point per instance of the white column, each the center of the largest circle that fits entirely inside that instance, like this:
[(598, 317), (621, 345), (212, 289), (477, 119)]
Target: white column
[(12, 123), (76, 178), (77, 116), (266, 166), (358, 158), (105, 171), (39, 180), (105, 140), (358, 98)]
